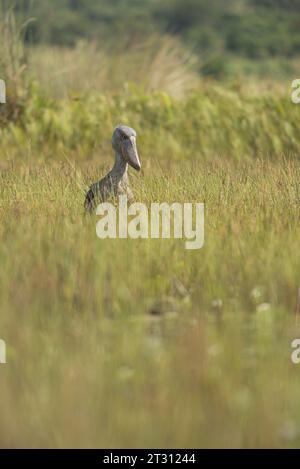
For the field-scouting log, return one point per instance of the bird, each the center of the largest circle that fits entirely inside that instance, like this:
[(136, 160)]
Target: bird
[(116, 182)]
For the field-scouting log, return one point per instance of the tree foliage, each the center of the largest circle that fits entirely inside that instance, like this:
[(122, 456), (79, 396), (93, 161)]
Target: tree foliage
[(251, 28)]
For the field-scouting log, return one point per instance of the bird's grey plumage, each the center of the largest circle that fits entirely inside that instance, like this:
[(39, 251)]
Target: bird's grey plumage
[(116, 182)]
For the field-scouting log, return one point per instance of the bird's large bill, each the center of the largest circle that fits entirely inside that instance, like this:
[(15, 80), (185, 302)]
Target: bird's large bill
[(131, 153)]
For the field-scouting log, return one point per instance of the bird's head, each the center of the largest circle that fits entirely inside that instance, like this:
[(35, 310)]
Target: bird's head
[(124, 143)]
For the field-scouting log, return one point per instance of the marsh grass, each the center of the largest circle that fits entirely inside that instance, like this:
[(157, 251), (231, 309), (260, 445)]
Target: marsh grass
[(123, 343), (231, 122), (157, 63), (88, 364), (13, 62)]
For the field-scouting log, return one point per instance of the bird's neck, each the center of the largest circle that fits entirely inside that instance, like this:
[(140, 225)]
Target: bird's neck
[(120, 167)]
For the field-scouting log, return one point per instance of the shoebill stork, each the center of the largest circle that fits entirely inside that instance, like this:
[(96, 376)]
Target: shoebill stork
[(116, 182)]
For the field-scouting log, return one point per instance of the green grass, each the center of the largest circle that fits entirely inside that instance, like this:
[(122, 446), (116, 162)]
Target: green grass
[(123, 343), (235, 122), (88, 365)]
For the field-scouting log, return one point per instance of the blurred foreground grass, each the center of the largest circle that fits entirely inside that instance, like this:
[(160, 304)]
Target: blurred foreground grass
[(141, 343)]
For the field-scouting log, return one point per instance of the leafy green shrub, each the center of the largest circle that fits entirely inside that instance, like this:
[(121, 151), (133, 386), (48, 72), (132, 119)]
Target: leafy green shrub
[(210, 120)]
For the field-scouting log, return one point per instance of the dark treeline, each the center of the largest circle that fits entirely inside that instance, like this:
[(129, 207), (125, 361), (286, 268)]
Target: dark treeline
[(250, 28)]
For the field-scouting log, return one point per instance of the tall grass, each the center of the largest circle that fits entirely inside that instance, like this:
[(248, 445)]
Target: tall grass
[(88, 362), (157, 63), (13, 63), (211, 120), (140, 343)]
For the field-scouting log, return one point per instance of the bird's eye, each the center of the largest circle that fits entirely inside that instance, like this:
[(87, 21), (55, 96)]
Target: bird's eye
[(124, 137)]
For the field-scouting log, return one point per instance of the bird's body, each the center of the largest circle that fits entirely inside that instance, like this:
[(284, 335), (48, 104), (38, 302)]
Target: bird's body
[(116, 182)]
